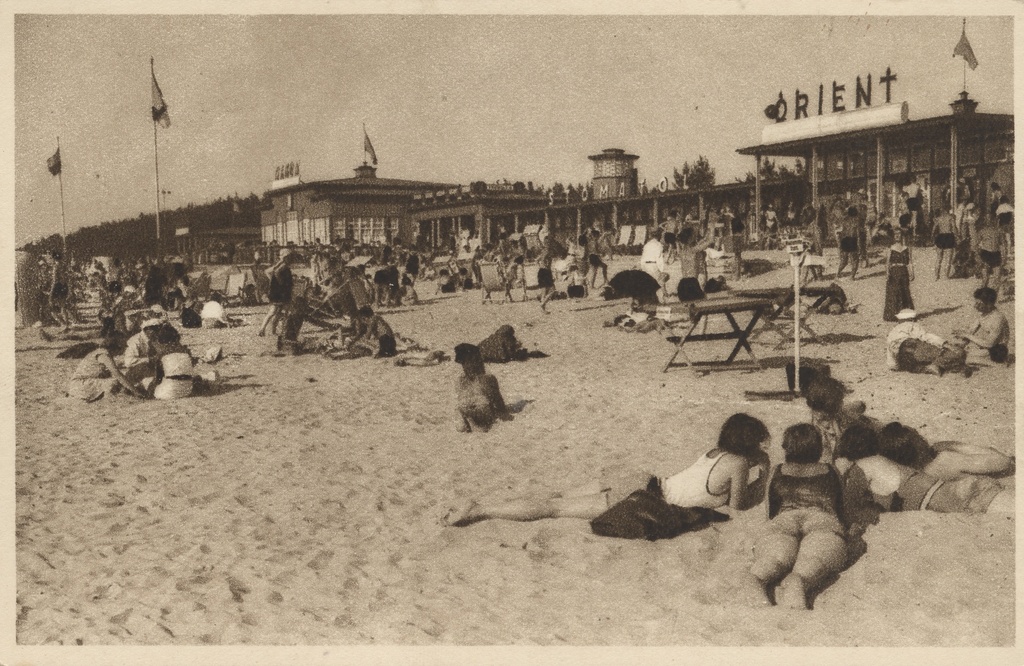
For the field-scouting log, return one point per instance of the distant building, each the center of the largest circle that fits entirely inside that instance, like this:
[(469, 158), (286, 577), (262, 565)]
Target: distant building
[(364, 208)]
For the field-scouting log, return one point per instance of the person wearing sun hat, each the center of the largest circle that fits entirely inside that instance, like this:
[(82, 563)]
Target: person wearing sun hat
[(139, 361), (910, 348)]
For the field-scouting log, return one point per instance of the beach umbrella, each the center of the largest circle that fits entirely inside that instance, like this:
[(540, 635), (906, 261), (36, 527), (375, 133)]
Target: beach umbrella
[(637, 285)]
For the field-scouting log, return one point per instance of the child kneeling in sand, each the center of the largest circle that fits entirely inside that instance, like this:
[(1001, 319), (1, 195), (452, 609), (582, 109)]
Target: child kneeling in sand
[(730, 475), (804, 541), (477, 393)]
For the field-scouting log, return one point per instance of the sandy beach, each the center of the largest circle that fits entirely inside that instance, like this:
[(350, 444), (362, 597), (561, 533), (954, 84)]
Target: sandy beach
[(302, 504)]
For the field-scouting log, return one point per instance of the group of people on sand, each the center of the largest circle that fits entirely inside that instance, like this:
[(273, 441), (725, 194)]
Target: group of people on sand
[(153, 363), (841, 469)]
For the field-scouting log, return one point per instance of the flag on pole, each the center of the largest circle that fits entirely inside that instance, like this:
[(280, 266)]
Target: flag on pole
[(53, 163), (159, 105), (963, 49), (368, 147)]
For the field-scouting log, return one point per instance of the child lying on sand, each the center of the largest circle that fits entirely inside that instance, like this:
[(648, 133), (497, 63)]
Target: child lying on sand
[(804, 541)]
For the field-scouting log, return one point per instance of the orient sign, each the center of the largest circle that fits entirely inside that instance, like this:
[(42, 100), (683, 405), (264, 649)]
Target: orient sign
[(829, 103)]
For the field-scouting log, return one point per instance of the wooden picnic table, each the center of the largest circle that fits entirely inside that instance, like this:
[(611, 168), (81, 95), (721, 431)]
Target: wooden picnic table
[(730, 307), (783, 299)]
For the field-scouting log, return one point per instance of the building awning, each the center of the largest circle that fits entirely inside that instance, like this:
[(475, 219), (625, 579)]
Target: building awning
[(928, 129)]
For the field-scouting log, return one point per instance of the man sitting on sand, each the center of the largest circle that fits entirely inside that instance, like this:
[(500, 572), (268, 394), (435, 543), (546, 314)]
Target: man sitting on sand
[(910, 348), (990, 332)]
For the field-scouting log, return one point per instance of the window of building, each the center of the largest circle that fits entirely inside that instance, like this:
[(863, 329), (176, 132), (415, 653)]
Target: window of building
[(996, 149), (871, 162), (969, 151), (291, 201), (921, 158), (942, 156), (857, 164), (835, 166), (897, 160)]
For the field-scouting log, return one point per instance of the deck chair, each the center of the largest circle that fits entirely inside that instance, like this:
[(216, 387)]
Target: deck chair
[(491, 279), (639, 236), (625, 234), (719, 262), (199, 287), (530, 271), (233, 288)]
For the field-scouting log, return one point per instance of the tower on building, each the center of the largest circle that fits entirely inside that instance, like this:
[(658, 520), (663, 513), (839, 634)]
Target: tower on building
[(614, 174)]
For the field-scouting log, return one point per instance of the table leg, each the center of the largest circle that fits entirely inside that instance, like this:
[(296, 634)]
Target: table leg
[(679, 346)]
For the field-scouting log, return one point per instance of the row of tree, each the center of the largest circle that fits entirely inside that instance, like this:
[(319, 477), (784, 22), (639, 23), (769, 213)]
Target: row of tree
[(136, 237)]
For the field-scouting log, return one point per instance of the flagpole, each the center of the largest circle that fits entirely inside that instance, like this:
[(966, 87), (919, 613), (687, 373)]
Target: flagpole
[(63, 224), (156, 167), (963, 31)]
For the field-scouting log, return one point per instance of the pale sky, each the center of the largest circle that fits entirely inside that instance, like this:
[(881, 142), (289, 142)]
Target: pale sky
[(445, 98)]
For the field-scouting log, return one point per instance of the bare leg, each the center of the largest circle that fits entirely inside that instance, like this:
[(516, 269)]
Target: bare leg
[(271, 316), (587, 507), (822, 553), (854, 266), (843, 259)]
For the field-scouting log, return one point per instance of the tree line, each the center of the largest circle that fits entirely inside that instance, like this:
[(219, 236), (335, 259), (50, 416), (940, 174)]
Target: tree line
[(136, 237)]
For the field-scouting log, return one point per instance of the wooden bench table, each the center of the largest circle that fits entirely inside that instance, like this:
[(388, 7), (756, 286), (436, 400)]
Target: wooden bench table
[(730, 306)]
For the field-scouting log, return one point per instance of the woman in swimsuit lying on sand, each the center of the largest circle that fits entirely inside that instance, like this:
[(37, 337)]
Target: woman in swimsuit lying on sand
[(730, 475)]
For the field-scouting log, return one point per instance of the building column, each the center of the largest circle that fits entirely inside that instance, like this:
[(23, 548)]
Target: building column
[(814, 176), (756, 217), (954, 176), (654, 211), (879, 177), (481, 231), (615, 217)]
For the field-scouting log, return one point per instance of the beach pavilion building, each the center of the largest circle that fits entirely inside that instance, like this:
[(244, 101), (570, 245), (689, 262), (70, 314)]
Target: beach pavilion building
[(878, 152), (364, 209)]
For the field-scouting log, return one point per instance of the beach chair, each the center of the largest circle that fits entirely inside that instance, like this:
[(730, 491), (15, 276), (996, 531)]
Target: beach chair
[(622, 243), (719, 262), (491, 278), (530, 271), (199, 287), (234, 285), (639, 236)]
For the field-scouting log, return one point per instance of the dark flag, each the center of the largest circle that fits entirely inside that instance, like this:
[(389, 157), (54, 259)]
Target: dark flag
[(53, 163), (159, 105), (963, 49), (368, 147)]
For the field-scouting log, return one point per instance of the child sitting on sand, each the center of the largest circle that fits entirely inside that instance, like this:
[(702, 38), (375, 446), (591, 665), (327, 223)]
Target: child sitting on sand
[(732, 474), (477, 394), (804, 541)]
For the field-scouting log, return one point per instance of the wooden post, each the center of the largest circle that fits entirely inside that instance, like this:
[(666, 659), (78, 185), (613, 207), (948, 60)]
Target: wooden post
[(756, 217)]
